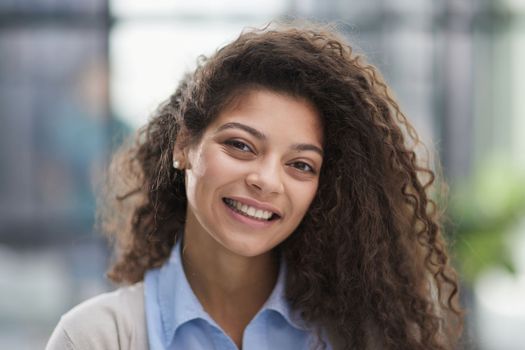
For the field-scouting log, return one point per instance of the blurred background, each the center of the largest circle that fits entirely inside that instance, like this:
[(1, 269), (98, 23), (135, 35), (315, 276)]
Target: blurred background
[(76, 77)]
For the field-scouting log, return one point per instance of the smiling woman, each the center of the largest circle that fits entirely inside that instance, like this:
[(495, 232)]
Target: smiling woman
[(247, 164), (273, 203)]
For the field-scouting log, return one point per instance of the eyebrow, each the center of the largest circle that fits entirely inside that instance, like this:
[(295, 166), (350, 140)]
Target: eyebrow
[(306, 147), (256, 133), (259, 135)]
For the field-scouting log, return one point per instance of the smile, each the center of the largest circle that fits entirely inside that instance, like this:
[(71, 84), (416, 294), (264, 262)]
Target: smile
[(250, 211)]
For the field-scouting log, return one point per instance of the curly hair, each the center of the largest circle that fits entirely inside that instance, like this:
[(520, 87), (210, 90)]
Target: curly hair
[(368, 261)]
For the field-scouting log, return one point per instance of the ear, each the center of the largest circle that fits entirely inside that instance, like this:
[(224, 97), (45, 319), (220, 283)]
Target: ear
[(180, 151)]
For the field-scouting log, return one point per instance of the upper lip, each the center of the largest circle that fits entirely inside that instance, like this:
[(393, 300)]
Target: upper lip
[(256, 204)]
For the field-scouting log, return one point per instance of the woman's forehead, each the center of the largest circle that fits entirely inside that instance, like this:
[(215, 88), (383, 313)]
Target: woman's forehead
[(272, 112)]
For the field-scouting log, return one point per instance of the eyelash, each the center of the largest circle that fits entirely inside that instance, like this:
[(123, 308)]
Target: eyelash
[(310, 168), (239, 145), (236, 143)]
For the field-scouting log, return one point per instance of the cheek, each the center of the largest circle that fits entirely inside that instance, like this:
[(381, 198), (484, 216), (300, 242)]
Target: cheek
[(196, 176), (209, 170), (303, 196), (216, 167)]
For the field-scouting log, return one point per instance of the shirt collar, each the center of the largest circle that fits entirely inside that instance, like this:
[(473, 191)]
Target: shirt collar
[(277, 301), (178, 304)]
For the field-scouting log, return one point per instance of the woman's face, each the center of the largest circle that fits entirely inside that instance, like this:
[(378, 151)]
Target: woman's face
[(254, 173)]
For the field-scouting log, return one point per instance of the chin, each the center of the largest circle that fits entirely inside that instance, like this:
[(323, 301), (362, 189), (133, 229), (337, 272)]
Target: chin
[(247, 250)]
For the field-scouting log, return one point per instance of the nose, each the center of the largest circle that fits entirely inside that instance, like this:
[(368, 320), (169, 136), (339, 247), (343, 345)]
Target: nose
[(266, 178)]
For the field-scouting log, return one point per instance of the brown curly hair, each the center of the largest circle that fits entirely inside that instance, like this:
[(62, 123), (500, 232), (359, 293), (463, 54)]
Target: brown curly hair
[(368, 262)]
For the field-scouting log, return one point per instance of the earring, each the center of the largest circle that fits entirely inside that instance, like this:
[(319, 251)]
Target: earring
[(176, 164)]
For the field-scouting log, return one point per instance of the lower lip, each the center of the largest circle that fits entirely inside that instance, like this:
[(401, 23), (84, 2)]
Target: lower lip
[(248, 221)]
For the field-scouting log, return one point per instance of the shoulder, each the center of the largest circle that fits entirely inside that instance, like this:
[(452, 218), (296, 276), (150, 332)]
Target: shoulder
[(121, 305), (112, 320)]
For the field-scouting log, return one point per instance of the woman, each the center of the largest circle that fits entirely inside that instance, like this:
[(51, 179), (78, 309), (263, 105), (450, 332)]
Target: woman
[(273, 202)]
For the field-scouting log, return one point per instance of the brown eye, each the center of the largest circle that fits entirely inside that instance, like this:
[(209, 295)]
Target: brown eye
[(239, 145), (304, 167)]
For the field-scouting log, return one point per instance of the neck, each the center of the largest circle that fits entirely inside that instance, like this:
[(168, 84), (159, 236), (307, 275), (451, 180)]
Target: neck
[(219, 277), (229, 286)]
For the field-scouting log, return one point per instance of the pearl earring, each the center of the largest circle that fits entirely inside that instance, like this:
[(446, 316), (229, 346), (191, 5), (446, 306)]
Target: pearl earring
[(176, 164)]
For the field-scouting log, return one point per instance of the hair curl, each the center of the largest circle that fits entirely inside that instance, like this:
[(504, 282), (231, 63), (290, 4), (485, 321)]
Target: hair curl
[(368, 261)]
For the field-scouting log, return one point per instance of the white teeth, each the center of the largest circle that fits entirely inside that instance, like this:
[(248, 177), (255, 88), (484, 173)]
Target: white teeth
[(250, 211)]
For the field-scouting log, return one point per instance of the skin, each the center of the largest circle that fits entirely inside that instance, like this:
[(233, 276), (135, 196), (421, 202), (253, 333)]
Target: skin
[(229, 261)]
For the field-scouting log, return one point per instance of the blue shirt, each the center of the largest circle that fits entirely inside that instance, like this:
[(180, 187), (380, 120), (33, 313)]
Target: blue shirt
[(176, 319)]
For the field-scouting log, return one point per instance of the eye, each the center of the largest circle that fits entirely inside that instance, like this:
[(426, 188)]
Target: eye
[(239, 145), (304, 167)]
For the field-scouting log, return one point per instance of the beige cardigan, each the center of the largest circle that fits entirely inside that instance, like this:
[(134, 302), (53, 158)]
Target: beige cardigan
[(111, 321)]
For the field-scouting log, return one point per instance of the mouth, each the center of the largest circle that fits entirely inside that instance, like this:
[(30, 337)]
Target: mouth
[(249, 211)]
